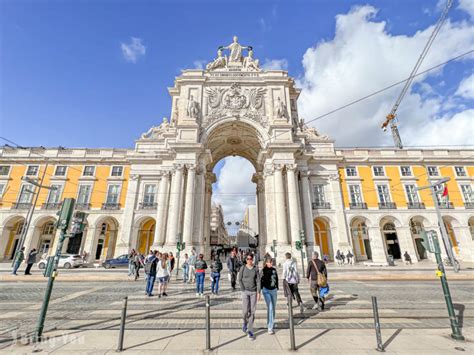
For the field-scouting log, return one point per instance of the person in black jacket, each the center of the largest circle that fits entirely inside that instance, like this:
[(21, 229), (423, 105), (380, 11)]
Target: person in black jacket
[(216, 268), (269, 284), (31, 260), (150, 267), (233, 265), (316, 266)]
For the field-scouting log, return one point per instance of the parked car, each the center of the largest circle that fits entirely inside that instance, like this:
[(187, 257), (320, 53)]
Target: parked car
[(121, 261), (66, 261)]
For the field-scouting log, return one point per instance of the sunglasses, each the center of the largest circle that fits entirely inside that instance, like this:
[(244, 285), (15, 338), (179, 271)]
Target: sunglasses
[(249, 258)]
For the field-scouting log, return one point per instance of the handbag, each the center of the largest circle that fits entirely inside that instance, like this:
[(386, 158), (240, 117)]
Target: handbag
[(322, 280)]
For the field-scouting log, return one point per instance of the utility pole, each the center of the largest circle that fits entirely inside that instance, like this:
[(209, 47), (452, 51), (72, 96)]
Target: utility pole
[(31, 211), (442, 226)]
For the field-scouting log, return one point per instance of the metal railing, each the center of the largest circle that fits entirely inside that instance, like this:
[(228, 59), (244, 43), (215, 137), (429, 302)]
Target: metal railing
[(83, 206), (358, 206), (469, 205), (21, 206), (321, 205), (416, 206), (51, 206), (387, 205), (147, 205), (446, 205), (110, 206)]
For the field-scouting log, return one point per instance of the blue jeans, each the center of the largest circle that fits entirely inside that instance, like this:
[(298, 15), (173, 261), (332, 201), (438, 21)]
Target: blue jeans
[(271, 300), (150, 282), (215, 281), (200, 282), (16, 266), (185, 272)]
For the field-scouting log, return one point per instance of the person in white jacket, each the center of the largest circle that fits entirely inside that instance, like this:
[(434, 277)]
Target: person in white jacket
[(292, 277), (163, 274)]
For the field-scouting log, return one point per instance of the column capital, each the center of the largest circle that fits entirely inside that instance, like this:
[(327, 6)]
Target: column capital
[(191, 167), (291, 167), (177, 167), (278, 167)]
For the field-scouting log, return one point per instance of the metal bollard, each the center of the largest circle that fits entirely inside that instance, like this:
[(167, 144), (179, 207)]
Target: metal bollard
[(378, 333), (208, 323), (122, 324), (291, 322)]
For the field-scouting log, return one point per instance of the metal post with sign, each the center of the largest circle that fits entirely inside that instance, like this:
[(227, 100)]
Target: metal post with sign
[(302, 250), (179, 246), (431, 244)]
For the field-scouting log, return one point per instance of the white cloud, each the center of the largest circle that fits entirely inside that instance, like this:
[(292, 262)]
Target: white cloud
[(275, 64), (467, 6), (199, 64), (133, 50), (364, 57), (234, 189), (466, 88)]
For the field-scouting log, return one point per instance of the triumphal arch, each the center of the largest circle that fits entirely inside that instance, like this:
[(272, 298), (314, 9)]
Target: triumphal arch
[(232, 108)]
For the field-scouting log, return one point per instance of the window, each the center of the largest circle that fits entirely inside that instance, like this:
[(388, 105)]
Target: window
[(378, 171), (2, 188), (113, 193), (149, 195), (460, 171), (48, 228), (467, 193), (103, 228), (351, 171), (356, 196), (439, 194), (32, 170), (4, 170), (89, 170), (383, 193), (117, 171), (433, 171), (412, 194), (406, 171), (83, 194), (319, 198), (26, 193), (60, 170), (54, 194)]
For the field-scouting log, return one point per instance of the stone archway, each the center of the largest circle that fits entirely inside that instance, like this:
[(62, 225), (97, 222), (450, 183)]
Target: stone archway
[(10, 236), (322, 236), (146, 233), (360, 239), (417, 226), (448, 222), (392, 244), (105, 239)]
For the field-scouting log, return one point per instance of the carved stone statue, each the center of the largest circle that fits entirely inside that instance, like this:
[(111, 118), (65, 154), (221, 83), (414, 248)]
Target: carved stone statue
[(280, 109), (193, 108), (219, 62), (312, 132), (250, 63), (235, 51), (156, 131)]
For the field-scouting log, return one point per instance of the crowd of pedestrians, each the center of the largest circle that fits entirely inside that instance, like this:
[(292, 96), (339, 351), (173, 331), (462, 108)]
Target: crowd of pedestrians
[(342, 258)]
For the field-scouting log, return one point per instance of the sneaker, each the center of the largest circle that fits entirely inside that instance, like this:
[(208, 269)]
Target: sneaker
[(197, 294), (159, 295), (244, 328), (250, 335), (150, 295), (165, 294), (315, 307), (271, 332)]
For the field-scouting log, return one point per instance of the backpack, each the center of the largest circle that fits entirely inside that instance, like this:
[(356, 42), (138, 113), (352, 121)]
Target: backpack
[(292, 277), (148, 265)]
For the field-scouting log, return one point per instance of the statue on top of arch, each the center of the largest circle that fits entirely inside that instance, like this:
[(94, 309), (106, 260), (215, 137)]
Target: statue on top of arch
[(235, 58), (156, 132)]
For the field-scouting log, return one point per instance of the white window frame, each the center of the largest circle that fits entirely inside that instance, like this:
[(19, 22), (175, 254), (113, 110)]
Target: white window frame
[(360, 193), (112, 170), (145, 193), (471, 198), (28, 167), (463, 169), (428, 170), (349, 167), (389, 195), (118, 195), (378, 166), (51, 192), (56, 170), (9, 171), (409, 168), (416, 193), (88, 197), (84, 170), (23, 186), (323, 193)]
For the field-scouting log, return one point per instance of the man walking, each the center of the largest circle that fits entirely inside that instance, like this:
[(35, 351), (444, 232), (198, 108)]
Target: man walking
[(292, 277), (316, 284), (249, 281), (19, 257), (31, 260), (233, 267), (150, 269)]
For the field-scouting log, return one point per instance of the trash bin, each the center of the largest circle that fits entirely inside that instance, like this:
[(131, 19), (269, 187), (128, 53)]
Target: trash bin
[(390, 260)]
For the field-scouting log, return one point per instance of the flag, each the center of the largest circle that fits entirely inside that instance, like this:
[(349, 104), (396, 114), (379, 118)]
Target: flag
[(445, 191)]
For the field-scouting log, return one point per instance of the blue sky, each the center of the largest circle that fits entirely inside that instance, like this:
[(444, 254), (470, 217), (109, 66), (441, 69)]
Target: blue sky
[(66, 80)]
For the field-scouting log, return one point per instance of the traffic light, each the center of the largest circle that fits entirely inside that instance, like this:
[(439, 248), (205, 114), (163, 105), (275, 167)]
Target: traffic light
[(65, 213), (183, 245), (298, 245), (78, 222)]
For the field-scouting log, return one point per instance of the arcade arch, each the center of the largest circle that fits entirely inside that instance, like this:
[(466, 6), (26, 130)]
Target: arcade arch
[(360, 238), (449, 222), (11, 236), (390, 237), (106, 238), (322, 237), (146, 233), (417, 226)]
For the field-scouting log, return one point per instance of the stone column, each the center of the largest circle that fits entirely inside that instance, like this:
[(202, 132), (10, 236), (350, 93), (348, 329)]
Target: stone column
[(377, 246), (90, 244), (269, 214), (279, 193), (173, 217), (406, 243), (127, 237), (343, 237), (160, 227), (293, 206), (204, 243), (189, 206), (307, 210)]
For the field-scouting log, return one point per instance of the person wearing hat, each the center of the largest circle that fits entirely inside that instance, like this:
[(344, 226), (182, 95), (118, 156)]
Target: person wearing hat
[(317, 274)]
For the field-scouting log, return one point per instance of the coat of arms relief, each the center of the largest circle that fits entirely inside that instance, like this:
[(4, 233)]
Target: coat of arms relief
[(235, 101)]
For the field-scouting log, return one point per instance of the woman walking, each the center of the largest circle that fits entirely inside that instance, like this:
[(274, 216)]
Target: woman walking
[(185, 267), (201, 267), (269, 289), (216, 268), (131, 262), (163, 274)]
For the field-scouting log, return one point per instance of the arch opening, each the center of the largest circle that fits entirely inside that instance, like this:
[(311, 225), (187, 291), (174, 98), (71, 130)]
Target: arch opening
[(360, 239), (322, 237), (11, 237), (392, 245)]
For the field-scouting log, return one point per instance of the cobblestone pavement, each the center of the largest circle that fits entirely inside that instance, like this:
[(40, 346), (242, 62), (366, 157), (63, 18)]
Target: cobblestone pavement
[(97, 305)]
